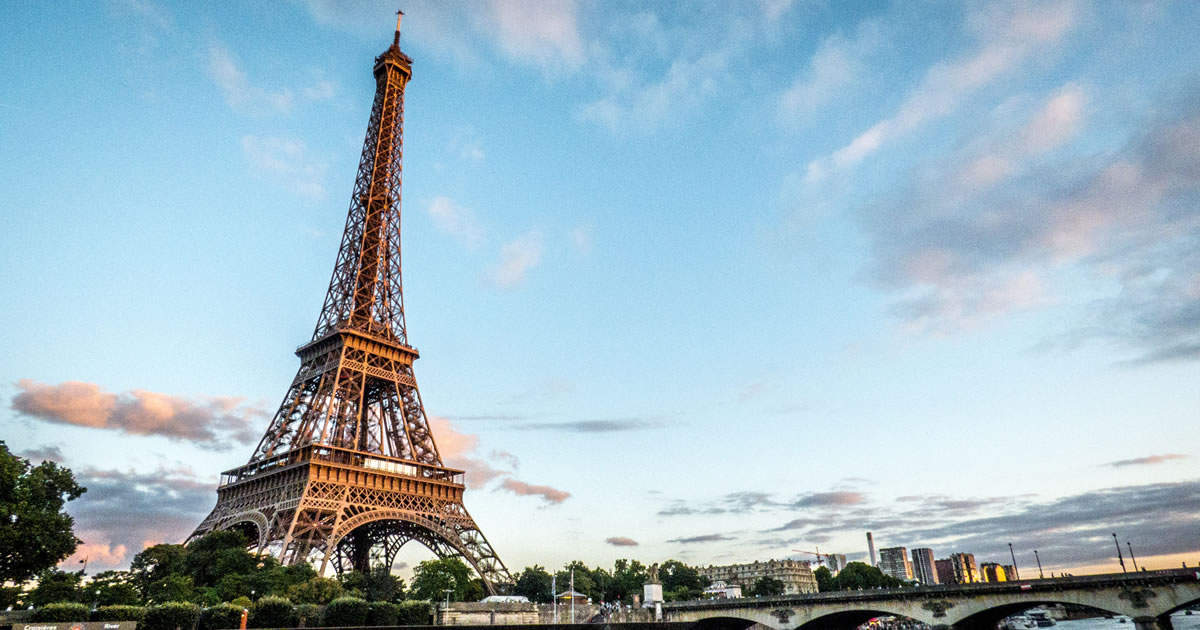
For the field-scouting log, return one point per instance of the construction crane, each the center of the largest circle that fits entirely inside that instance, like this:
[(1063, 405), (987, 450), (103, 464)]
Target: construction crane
[(817, 553)]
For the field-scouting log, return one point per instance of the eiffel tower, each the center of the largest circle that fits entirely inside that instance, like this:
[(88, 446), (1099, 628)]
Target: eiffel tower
[(348, 471)]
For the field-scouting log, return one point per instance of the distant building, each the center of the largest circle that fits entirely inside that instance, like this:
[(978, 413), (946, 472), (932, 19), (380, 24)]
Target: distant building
[(1011, 572), (721, 590), (924, 569), (796, 575), (893, 561), (965, 569), (992, 572), (835, 562), (871, 547), (945, 571)]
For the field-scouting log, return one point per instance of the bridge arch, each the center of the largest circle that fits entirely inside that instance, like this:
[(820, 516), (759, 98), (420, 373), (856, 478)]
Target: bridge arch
[(723, 623), (843, 619), (987, 618)]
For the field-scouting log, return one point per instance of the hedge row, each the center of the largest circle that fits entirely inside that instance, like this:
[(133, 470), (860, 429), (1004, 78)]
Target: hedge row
[(268, 612)]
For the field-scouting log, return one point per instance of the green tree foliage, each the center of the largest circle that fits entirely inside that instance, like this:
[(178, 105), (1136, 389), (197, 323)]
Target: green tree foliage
[(432, 578), (119, 613), (583, 580), (171, 616), (60, 612), (154, 564), (318, 590), (112, 588), (860, 576), (37, 533), (10, 597), (221, 616), (173, 588), (628, 578), (308, 615), (376, 585), (766, 587), (825, 580), (416, 613), (56, 586), (534, 583), (680, 581), (345, 611), (382, 614), (272, 612)]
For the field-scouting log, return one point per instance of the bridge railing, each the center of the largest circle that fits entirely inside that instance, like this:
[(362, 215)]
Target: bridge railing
[(1041, 585)]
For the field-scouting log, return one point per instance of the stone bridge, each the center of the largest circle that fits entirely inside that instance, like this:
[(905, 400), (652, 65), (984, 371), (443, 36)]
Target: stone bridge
[(1146, 597)]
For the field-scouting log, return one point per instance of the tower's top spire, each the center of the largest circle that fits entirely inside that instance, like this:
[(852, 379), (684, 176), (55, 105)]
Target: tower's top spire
[(396, 39)]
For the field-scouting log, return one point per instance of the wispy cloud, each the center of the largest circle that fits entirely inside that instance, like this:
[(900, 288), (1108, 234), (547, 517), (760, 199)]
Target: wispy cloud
[(547, 493), (544, 33), (1009, 33), (213, 423), (48, 453), (456, 221), (1147, 461), (238, 91), (621, 541), (289, 161), (517, 257), (835, 65), (705, 538), (590, 426)]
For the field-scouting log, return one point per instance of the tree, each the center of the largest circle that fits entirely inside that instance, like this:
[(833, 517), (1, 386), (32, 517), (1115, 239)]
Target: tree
[(825, 580), (112, 588), (319, 590), (156, 563), (218, 554), (56, 586), (767, 587), (628, 578), (857, 575), (432, 578), (534, 583), (376, 585), (680, 582), (583, 579), (37, 533)]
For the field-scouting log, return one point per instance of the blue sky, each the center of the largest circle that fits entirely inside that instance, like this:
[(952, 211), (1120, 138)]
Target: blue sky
[(719, 280)]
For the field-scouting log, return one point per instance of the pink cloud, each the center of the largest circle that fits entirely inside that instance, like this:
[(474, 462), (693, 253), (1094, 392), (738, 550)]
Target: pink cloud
[(211, 422), (551, 495)]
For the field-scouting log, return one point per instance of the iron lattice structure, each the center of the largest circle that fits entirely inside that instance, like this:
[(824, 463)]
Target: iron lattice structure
[(348, 470)]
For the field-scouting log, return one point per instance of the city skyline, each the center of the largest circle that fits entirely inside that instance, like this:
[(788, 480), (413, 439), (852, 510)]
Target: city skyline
[(983, 245)]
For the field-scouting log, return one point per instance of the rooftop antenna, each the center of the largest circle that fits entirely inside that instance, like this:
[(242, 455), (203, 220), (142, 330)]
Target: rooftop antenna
[(396, 39)]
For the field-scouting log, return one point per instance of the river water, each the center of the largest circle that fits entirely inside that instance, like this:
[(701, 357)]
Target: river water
[(1180, 621)]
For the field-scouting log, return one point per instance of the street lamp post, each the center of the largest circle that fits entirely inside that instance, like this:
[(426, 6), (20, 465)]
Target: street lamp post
[(1014, 559), (1041, 575), (446, 608), (1120, 558), (1131, 558)]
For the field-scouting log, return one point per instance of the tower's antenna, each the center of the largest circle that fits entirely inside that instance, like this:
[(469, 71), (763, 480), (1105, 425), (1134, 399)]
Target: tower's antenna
[(396, 39)]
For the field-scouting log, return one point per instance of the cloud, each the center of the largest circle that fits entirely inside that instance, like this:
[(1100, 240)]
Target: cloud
[(47, 453), (466, 145), (706, 538), (962, 250), (238, 91), (517, 257), (581, 239), (833, 67), (460, 450), (1145, 461), (544, 33), (1009, 33), (456, 221), (124, 511), (646, 104), (97, 555), (213, 423), (550, 495), (289, 162), (621, 541), (589, 426), (823, 499)]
